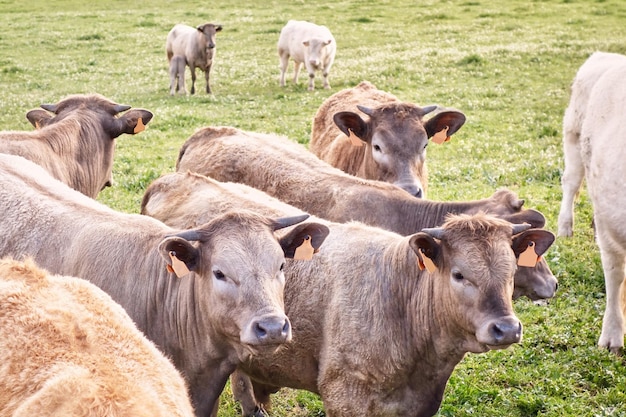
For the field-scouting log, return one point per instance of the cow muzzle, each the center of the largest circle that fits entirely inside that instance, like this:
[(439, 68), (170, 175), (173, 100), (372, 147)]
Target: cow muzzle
[(414, 189), (500, 333), (269, 329)]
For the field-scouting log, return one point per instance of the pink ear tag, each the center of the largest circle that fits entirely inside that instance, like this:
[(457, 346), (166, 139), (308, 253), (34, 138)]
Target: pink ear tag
[(529, 256), (305, 251), (427, 263), (178, 266), (354, 139), (441, 136), (139, 127)]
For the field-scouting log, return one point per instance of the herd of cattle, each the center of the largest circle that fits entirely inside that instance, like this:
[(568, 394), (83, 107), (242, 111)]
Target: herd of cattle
[(274, 265)]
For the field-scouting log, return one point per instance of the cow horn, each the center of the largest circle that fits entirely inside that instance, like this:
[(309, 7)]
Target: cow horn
[(436, 232), (120, 108), (429, 109), (50, 107), (519, 228), (190, 235), (289, 221), (365, 110)]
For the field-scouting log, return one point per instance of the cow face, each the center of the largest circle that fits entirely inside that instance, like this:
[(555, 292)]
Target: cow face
[(314, 51), (474, 262), (396, 138), (238, 269), (209, 30)]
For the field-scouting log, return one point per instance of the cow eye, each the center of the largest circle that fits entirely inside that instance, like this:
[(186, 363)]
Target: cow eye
[(458, 276), (219, 275), (377, 148), (282, 267), (425, 146)]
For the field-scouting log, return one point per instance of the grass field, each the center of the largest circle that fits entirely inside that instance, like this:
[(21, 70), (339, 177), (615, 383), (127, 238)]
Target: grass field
[(506, 65)]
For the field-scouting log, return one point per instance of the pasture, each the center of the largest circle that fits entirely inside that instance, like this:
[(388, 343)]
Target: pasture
[(506, 65)]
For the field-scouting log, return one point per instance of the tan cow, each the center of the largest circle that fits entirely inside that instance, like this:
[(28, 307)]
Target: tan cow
[(197, 46), (75, 139), (208, 297), (363, 310), (69, 350), (594, 146), (286, 170), (388, 144)]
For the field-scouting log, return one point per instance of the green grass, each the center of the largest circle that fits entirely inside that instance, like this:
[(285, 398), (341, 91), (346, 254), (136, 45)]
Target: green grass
[(506, 65)]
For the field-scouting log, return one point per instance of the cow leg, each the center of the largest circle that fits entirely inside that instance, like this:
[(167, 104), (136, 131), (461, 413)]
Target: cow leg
[(612, 336), (570, 182), (326, 83), (296, 71), (284, 63), (193, 79), (243, 392), (206, 77)]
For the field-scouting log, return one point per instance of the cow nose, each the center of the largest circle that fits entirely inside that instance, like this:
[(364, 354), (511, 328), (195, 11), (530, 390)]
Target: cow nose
[(505, 332), (411, 188), (272, 330), (211, 45)]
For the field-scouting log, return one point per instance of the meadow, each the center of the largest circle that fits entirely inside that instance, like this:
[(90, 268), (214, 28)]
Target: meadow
[(507, 65)]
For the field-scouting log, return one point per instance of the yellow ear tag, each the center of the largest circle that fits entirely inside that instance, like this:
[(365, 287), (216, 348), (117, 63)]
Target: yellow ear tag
[(178, 266), (529, 256), (305, 251), (427, 263), (441, 136), (354, 139), (139, 127)]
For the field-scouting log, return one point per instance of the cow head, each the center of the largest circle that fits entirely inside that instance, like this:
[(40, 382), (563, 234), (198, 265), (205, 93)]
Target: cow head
[(396, 137), (209, 30), (237, 264), (314, 50), (473, 263)]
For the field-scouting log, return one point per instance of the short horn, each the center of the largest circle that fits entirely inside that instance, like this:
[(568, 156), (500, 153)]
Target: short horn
[(289, 221), (436, 232), (190, 235), (429, 109), (365, 110), (519, 228), (50, 107), (120, 108)]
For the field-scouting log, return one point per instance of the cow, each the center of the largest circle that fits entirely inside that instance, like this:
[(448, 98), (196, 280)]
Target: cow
[(308, 43), (197, 45), (208, 297), (74, 139), (177, 75), (363, 313), (594, 147), (389, 144), (69, 350), (187, 199)]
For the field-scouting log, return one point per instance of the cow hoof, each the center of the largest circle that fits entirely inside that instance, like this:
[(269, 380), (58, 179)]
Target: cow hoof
[(258, 412)]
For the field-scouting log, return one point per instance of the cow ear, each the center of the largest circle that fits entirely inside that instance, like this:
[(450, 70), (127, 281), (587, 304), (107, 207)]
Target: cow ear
[(175, 249), (305, 43), (218, 28), (452, 119), (131, 122), (542, 240), (533, 217), (316, 232), (427, 249), (348, 121), (39, 118)]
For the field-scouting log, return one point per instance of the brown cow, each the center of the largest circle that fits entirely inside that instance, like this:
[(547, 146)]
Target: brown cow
[(388, 145), (69, 350), (363, 312), (76, 144), (208, 297), (286, 170)]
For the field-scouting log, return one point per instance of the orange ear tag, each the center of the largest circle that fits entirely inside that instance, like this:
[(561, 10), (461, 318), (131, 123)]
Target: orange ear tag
[(441, 136), (139, 127), (427, 263), (178, 266), (305, 251), (37, 127), (529, 256), (354, 139)]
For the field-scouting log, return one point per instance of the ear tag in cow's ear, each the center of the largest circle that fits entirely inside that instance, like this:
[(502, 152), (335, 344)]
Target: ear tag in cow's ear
[(305, 251), (354, 139), (139, 127), (427, 263), (441, 136), (178, 266), (37, 127), (529, 256)]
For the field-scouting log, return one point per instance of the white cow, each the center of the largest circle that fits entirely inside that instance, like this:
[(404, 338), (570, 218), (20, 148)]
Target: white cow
[(594, 143), (309, 43)]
